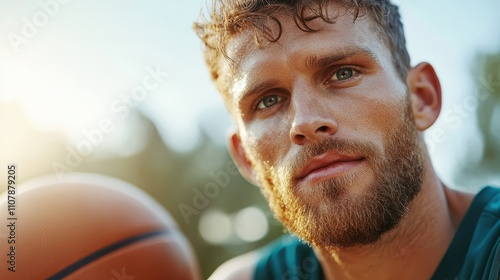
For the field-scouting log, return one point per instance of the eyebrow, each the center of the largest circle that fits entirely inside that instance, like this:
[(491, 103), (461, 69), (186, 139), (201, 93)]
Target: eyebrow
[(315, 62)]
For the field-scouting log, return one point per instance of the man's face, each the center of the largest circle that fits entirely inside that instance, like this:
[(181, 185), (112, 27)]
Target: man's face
[(325, 123)]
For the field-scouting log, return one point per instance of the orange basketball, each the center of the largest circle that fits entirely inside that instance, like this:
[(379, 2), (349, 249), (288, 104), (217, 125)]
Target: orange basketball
[(90, 226)]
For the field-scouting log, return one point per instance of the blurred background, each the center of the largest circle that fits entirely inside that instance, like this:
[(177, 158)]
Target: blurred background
[(120, 88)]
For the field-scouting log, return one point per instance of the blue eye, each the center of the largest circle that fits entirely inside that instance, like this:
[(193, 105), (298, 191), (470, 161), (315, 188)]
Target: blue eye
[(343, 74), (268, 101)]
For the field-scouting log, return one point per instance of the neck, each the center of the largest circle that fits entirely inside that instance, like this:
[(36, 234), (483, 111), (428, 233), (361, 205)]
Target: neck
[(414, 249)]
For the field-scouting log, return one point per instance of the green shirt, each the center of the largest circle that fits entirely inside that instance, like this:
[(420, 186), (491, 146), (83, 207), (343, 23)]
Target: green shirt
[(474, 252)]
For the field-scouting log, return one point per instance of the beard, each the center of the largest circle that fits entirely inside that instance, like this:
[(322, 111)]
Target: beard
[(331, 213)]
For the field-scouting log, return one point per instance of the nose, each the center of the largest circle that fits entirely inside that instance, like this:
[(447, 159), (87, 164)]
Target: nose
[(312, 120)]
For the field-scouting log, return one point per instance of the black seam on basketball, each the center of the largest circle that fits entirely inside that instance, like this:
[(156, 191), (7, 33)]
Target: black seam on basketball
[(104, 251)]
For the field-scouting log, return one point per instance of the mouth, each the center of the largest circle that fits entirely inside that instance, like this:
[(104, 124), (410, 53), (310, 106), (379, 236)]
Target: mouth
[(327, 166)]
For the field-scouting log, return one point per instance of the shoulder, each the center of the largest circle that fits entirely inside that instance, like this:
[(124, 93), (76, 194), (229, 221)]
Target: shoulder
[(493, 206), (488, 224), (482, 256), (241, 268), (483, 215), (474, 250), (486, 240)]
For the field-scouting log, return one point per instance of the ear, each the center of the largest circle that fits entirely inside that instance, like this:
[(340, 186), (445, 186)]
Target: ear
[(239, 156), (425, 93)]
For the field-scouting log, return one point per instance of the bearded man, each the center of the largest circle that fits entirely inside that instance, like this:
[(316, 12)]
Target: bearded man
[(329, 118)]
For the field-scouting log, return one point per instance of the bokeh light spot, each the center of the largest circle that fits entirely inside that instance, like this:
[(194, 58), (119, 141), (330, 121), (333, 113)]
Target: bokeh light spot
[(215, 226), (251, 224)]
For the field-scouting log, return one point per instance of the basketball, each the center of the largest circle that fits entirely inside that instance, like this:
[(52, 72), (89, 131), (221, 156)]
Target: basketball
[(90, 226)]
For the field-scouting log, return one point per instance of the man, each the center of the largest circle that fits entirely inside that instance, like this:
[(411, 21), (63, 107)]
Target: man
[(329, 121)]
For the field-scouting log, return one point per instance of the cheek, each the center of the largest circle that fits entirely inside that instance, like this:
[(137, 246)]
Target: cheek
[(381, 116), (268, 143), (377, 111)]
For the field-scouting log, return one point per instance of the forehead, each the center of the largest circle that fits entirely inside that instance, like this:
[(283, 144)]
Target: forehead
[(253, 63)]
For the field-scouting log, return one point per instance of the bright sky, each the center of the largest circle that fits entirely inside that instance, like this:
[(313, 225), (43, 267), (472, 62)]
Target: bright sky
[(71, 64)]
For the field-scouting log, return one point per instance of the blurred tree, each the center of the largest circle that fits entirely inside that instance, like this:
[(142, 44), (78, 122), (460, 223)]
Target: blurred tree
[(486, 168)]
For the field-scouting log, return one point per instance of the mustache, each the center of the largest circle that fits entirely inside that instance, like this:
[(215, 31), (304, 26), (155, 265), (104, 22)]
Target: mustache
[(340, 146)]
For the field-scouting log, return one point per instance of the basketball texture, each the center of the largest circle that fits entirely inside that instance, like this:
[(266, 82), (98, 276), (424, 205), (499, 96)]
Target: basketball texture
[(90, 226)]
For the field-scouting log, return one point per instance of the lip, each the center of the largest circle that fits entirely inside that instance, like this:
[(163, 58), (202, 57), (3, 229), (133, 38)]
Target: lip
[(328, 165)]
